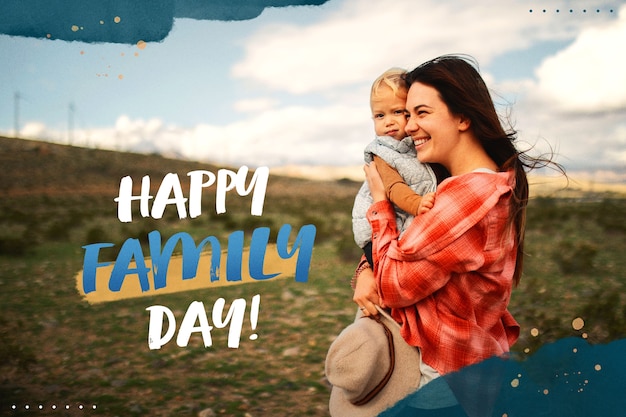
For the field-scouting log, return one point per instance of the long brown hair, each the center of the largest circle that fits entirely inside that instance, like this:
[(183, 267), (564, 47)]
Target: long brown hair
[(460, 86)]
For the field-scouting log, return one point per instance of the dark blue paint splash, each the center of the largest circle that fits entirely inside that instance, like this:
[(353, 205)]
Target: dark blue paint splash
[(568, 378), (121, 21)]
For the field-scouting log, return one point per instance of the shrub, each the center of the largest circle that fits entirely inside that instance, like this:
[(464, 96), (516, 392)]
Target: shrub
[(575, 257), (610, 215), (14, 246), (96, 234), (604, 314)]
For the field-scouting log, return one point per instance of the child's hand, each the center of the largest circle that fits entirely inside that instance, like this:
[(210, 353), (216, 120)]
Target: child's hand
[(427, 202)]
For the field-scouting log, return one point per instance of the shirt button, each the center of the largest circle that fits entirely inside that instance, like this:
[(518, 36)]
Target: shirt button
[(375, 235)]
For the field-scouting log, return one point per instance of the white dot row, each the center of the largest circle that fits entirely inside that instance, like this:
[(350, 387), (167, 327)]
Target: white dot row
[(53, 406), (571, 10)]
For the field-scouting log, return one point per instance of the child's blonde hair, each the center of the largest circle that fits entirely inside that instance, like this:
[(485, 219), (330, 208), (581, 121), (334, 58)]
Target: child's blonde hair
[(392, 78)]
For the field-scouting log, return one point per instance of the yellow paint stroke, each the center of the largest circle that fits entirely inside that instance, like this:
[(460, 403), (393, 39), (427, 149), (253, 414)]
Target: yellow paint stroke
[(273, 263)]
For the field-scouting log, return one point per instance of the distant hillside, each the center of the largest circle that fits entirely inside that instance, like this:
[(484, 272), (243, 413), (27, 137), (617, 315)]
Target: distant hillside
[(556, 186), (572, 186), (40, 168), (34, 167)]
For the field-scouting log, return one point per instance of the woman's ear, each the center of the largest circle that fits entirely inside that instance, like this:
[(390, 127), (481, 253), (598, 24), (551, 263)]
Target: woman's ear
[(464, 123)]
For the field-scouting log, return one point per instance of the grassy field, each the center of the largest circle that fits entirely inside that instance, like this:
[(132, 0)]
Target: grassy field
[(58, 350)]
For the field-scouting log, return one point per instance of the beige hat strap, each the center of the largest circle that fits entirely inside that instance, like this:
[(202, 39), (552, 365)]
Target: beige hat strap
[(392, 361)]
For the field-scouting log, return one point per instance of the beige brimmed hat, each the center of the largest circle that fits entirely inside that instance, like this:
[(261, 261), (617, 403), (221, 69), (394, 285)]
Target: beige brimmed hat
[(360, 360)]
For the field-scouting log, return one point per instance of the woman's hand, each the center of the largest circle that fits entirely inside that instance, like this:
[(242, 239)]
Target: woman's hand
[(366, 293), (374, 182)]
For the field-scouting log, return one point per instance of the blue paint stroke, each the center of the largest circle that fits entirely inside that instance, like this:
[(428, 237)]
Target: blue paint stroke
[(121, 21), (569, 378)]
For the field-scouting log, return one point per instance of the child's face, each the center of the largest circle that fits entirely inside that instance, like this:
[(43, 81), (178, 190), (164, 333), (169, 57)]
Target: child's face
[(389, 113)]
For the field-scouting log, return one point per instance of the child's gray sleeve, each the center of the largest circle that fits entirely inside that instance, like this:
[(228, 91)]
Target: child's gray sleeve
[(360, 226)]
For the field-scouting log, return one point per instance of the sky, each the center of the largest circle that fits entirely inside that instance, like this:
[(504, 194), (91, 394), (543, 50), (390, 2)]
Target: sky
[(291, 86)]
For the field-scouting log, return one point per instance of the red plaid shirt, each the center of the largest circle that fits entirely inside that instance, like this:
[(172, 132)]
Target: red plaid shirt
[(448, 278)]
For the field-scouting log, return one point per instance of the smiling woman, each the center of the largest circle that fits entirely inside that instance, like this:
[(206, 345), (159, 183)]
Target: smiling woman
[(447, 96), (448, 280)]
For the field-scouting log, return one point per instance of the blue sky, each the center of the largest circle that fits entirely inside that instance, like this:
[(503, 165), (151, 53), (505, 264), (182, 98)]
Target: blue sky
[(291, 86)]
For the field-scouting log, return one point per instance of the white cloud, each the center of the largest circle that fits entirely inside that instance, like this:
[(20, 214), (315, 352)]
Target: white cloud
[(365, 37), (576, 105), (255, 105), (333, 135), (590, 74), (34, 130), (584, 140)]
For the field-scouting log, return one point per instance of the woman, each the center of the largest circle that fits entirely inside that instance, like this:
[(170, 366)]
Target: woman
[(448, 279)]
